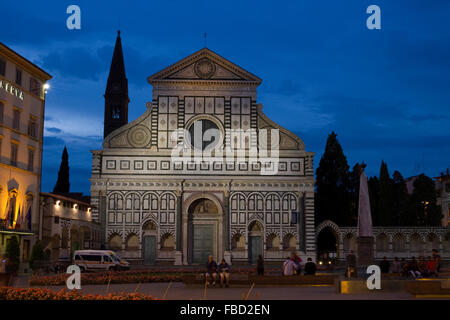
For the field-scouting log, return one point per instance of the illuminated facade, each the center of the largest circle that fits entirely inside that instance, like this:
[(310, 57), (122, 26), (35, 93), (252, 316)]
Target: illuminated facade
[(67, 226), (22, 104), (156, 209)]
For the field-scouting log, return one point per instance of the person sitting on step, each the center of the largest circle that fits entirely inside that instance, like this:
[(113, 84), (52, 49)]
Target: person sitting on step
[(224, 272), (211, 271)]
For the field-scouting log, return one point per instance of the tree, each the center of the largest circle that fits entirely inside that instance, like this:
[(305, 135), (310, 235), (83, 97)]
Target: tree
[(423, 209), (63, 184), (37, 254), (385, 197), (332, 181), (400, 195), (12, 253), (354, 193)]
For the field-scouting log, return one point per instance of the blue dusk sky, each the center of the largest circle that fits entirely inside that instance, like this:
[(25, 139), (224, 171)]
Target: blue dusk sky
[(384, 92)]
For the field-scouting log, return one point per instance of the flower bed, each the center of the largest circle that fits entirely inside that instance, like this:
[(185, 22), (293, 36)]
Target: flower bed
[(8, 293), (105, 278), (131, 276)]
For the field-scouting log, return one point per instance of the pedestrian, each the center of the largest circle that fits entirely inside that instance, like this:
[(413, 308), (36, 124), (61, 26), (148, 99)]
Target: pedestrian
[(310, 267), (404, 266), (413, 268), (211, 271), (385, 265), (396, 266), (422, 265), (260, 265), (431, 266), (288, 267), (224, 272), (437, 261), (298, 263), (351, 265)]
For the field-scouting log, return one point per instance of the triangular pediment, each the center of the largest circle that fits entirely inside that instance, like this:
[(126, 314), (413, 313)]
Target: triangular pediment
[(204, 65)]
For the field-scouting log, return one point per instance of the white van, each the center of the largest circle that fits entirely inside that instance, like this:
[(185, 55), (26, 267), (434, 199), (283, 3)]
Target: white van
[(99, 260)]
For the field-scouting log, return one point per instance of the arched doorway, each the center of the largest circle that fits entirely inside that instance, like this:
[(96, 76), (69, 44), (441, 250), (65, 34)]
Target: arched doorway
[(327, 244), (149, 242), (204, 223), (255, 241)]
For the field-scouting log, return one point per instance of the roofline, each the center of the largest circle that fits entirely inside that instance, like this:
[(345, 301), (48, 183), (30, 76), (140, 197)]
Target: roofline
[(24, 62), (153, 78), (54, 195)]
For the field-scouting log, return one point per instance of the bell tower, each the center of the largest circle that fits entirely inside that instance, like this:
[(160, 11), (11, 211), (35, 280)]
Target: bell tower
[(116, 93)]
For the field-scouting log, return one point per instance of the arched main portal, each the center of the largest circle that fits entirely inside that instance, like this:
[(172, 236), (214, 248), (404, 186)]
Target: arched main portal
[(204, 230)]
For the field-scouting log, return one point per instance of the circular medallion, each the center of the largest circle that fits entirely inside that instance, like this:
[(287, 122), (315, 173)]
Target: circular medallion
[(139, 137), (205, 69)]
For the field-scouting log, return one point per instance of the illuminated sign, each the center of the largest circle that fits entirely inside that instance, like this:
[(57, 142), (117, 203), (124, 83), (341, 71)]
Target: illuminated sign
[(8, 87)]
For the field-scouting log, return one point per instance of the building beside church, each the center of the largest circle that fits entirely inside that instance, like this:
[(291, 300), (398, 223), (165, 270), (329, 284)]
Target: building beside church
[(443, 198), (22, 105), (67, 226), (401, 242), (155, 206)]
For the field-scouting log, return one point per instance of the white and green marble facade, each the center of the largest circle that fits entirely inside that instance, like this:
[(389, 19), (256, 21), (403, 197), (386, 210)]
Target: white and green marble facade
[(138, 190)]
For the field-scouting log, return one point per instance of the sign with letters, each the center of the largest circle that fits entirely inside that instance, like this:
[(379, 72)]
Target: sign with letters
[(8, 87)]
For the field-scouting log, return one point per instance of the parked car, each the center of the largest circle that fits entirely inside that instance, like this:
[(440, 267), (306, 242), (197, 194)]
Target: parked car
[(99, 260)]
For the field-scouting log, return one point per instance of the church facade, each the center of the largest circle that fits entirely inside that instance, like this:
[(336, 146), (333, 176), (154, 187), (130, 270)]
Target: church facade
[(203, 171)]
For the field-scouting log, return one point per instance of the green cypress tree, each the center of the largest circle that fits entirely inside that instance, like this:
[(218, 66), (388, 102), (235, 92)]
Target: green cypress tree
[(400, 195), (354, 194), (423, 207), (62, 184), (332, 181), (385, 196)]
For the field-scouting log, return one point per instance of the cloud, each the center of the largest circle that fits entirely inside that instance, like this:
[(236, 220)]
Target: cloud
[(53, 130), (75, 62)]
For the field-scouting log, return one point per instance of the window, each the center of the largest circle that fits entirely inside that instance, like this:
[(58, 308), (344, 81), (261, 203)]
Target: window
[(106, 259), (2, 67), (92, 258), (19, 77), (2, 108), (32, 128), (16, 119), (35, 87), (30, 159), (14, 151), (116, 112)]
